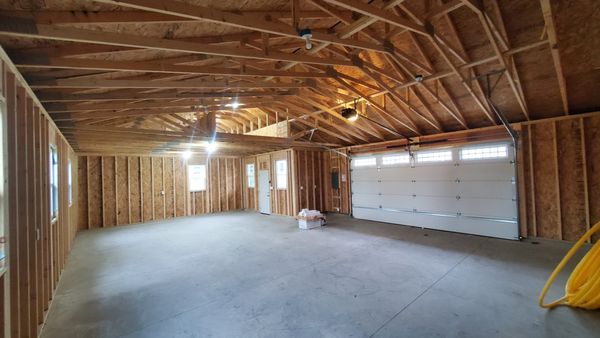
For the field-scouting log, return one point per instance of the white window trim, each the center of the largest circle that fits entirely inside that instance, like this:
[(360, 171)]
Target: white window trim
[(202, 186), (281, 184)]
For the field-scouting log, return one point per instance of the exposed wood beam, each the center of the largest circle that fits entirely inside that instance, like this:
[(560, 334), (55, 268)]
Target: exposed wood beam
[(152, 67), (379, 14), (195, 84), (128, 95), (133, 17), (234, 19), (26, 28), (551, 31)]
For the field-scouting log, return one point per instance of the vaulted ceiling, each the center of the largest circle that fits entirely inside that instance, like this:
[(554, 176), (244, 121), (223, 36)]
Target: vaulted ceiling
[(154, 76)]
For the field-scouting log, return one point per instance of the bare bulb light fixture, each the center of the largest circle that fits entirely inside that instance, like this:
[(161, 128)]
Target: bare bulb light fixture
[(211, 147), (306, 34), (350, 114), (186, 155)]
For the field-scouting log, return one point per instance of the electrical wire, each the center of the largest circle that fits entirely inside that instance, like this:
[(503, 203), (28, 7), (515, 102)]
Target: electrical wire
[(583, 286)]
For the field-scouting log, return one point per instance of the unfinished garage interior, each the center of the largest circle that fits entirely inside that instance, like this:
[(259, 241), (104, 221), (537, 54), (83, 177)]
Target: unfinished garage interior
[(304, 168)]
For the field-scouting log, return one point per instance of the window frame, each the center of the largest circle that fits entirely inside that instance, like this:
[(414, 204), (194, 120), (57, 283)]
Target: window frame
[(280, 183), (54, 168), (70, 182), (202, 186), (251, 176)]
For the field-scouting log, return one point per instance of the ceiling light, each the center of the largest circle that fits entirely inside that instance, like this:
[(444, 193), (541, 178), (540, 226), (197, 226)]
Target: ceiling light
[(350, 114), (419, 78), (186, 154), (306, 34), (211, 147), (234, 105)]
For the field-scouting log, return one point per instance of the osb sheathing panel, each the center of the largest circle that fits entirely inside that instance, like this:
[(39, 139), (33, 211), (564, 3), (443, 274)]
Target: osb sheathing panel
[(83, 193), (168, 186), (147, 197), (122, 190), (528, 182), (180, 187), (134, 189), (95, 192), (157, 181), (592, 146), (546, 189), (572, 185), (108, 186)]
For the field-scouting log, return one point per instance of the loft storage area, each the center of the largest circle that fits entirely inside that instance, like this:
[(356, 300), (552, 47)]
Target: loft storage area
[(304, 168)]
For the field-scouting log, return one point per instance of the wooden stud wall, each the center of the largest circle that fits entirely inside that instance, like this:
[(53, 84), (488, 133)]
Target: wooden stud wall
[(117, 190), (307, 181), (37, 245)]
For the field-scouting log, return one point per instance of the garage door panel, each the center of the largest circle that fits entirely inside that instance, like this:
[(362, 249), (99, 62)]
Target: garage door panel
[(436, 188), (396, 188), (398, 202), (475, 196), (430, 172), (446, 205), (366, 200), (395, 173), (364, 174), (487, 207), (481, 171), (483, 189), (367, 187)]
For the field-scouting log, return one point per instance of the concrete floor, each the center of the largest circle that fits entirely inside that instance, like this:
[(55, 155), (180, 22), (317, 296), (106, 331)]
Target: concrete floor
[(248, 275)]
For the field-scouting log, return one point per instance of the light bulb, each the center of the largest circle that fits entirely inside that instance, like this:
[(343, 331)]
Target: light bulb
[(211, 147), (308, 44), (186, 155), (353, 118), (235, 105)]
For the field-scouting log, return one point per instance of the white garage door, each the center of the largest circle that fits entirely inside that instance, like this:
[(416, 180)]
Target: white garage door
[(468, 189)]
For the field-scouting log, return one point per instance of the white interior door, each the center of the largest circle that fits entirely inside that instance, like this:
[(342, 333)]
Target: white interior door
[(468, 189), (264, 192)]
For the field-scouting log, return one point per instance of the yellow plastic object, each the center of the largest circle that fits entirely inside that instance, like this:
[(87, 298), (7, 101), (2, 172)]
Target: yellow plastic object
[(583, 286)]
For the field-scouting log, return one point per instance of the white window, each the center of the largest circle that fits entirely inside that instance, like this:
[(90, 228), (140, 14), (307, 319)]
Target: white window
[(434, 156), (365, 162), (395, 159), (486, 152), (250, 175), (53, 182), (197, 177), (70, 179), (282, 174)]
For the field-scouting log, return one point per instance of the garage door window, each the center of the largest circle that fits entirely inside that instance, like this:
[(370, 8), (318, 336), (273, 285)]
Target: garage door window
[(365, 162), (434, 156), (482, 153), (395, 159)]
